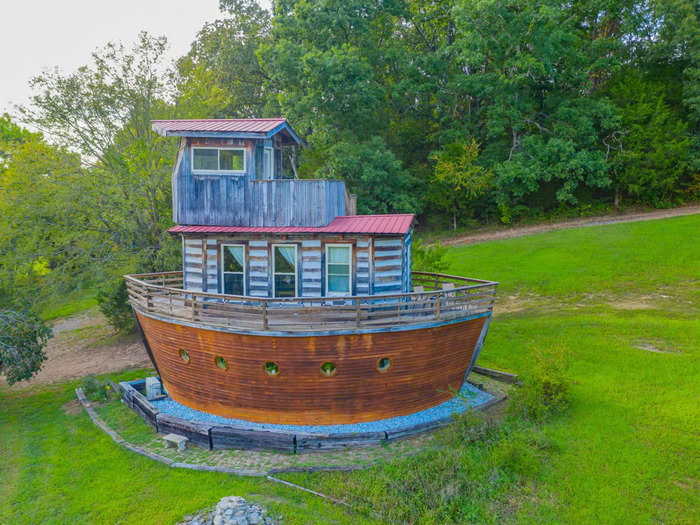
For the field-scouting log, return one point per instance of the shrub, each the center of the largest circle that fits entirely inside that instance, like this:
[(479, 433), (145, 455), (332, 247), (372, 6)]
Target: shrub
[(113, 301), (23, 336), (545, 392), (428, 258), (96, 389)]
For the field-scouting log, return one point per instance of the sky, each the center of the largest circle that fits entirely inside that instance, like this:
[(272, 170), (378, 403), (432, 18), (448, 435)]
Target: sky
[(39, 35)]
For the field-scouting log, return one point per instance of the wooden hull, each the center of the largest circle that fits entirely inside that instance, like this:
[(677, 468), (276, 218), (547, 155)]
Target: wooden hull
[(427, 366)]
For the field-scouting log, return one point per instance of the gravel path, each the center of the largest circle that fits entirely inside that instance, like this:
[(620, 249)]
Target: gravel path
[(566, 225)]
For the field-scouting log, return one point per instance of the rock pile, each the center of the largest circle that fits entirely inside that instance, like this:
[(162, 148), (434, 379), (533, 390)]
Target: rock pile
[(232, 510)]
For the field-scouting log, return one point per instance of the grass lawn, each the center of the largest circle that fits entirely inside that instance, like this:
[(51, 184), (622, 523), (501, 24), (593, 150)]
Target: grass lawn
[(57, 467), (625, 452)]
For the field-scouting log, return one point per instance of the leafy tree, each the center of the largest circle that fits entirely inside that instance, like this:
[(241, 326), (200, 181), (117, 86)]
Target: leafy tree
[(650, 157), (457, 177), (226, 51), (12, 133), (374, 174), (23, 336), (526, 60)]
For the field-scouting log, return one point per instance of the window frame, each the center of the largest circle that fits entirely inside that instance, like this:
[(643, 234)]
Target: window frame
[(222, 271), (218, 154), (339, 294), (296, 269)]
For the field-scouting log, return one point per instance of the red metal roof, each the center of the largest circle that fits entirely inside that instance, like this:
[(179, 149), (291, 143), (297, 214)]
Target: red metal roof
[(236, 125), (397, 224)]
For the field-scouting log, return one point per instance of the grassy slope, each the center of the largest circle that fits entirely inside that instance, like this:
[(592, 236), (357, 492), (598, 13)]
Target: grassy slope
[(632, 258), (59, 468), (625, 452)]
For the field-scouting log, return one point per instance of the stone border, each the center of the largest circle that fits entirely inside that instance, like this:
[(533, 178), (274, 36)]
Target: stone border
[(224, 437)]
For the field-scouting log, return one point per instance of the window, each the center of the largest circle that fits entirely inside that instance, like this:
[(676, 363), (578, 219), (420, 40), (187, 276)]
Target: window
[(338, 258), (233, 269), (218, 160), (284, 262), (269, 163)]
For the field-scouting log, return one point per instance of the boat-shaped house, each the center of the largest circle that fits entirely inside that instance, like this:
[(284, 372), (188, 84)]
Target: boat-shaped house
[(290, 308)]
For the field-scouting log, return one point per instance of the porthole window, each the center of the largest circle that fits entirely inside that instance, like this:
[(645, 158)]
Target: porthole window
[(384, 364), (221, 363), (328, 369), (271, 369), (184, 355)]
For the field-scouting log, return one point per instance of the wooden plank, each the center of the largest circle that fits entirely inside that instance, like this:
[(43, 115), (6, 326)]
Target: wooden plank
[(226, 437), (418, 378)]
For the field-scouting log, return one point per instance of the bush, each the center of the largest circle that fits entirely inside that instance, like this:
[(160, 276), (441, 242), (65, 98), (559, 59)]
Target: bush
[(113, 301), (428, 258), (96, 389), (23, 336), (546, 391)]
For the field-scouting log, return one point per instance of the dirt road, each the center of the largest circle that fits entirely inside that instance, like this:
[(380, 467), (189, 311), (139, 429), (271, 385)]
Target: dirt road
[(85, 344), (509, 233)]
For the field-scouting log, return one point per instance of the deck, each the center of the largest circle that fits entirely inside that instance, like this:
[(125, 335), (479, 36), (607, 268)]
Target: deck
[(437, 299)]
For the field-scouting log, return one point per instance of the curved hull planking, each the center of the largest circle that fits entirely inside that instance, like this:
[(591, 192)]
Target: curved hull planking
[(427, 366)]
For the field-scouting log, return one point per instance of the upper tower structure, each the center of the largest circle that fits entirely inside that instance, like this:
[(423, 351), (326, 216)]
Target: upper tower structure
[(231, 172)]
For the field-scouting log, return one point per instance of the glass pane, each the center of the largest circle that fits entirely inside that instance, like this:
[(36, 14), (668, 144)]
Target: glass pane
[(231, 159), (205, 159), (233, 283), (338, 283), (268, 160), (285, 286), (339, 269), (284, 259), (233, 258), (339, 254)]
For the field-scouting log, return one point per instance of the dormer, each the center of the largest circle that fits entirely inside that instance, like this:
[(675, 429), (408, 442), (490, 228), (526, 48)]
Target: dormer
[(230, 172), (238, 147)]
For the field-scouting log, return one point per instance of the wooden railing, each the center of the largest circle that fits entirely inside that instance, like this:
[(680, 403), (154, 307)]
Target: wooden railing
[(437, 297)]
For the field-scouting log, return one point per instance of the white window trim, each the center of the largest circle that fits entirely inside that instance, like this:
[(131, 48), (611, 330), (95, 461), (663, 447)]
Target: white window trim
[(339, 294), (219, 172), (296, 268), (245, 263)]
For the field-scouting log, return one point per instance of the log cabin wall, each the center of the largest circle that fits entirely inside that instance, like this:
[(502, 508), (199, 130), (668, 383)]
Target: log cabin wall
[(388, 270), (379, 265)]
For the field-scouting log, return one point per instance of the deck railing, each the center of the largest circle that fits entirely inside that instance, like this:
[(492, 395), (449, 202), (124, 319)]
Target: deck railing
[(436, 297)]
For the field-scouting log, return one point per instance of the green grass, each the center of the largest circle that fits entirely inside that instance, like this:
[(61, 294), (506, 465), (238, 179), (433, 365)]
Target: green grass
[(59, 468), (633, 258), (67, 305), (626, 451)]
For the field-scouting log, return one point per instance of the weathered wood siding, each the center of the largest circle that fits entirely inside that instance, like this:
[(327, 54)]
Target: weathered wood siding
[(311, 273), (388, 260), (380, 265), (246, 200), (259, 268), (192, 264), (363, 265)]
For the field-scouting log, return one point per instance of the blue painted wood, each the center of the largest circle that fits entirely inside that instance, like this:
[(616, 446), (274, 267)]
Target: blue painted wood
[(246, 200)]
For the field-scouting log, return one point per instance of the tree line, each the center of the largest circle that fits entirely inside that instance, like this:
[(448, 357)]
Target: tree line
[(461, 111)]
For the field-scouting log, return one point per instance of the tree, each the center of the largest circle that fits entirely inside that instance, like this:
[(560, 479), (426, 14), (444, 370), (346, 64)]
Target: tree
[(23, 336), (12, 133), (537, 77), (374, 174), (226, 50), (459, 179), (650, 157)]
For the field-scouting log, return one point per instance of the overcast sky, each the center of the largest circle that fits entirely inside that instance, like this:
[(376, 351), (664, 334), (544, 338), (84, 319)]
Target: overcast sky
[(35, 35)]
